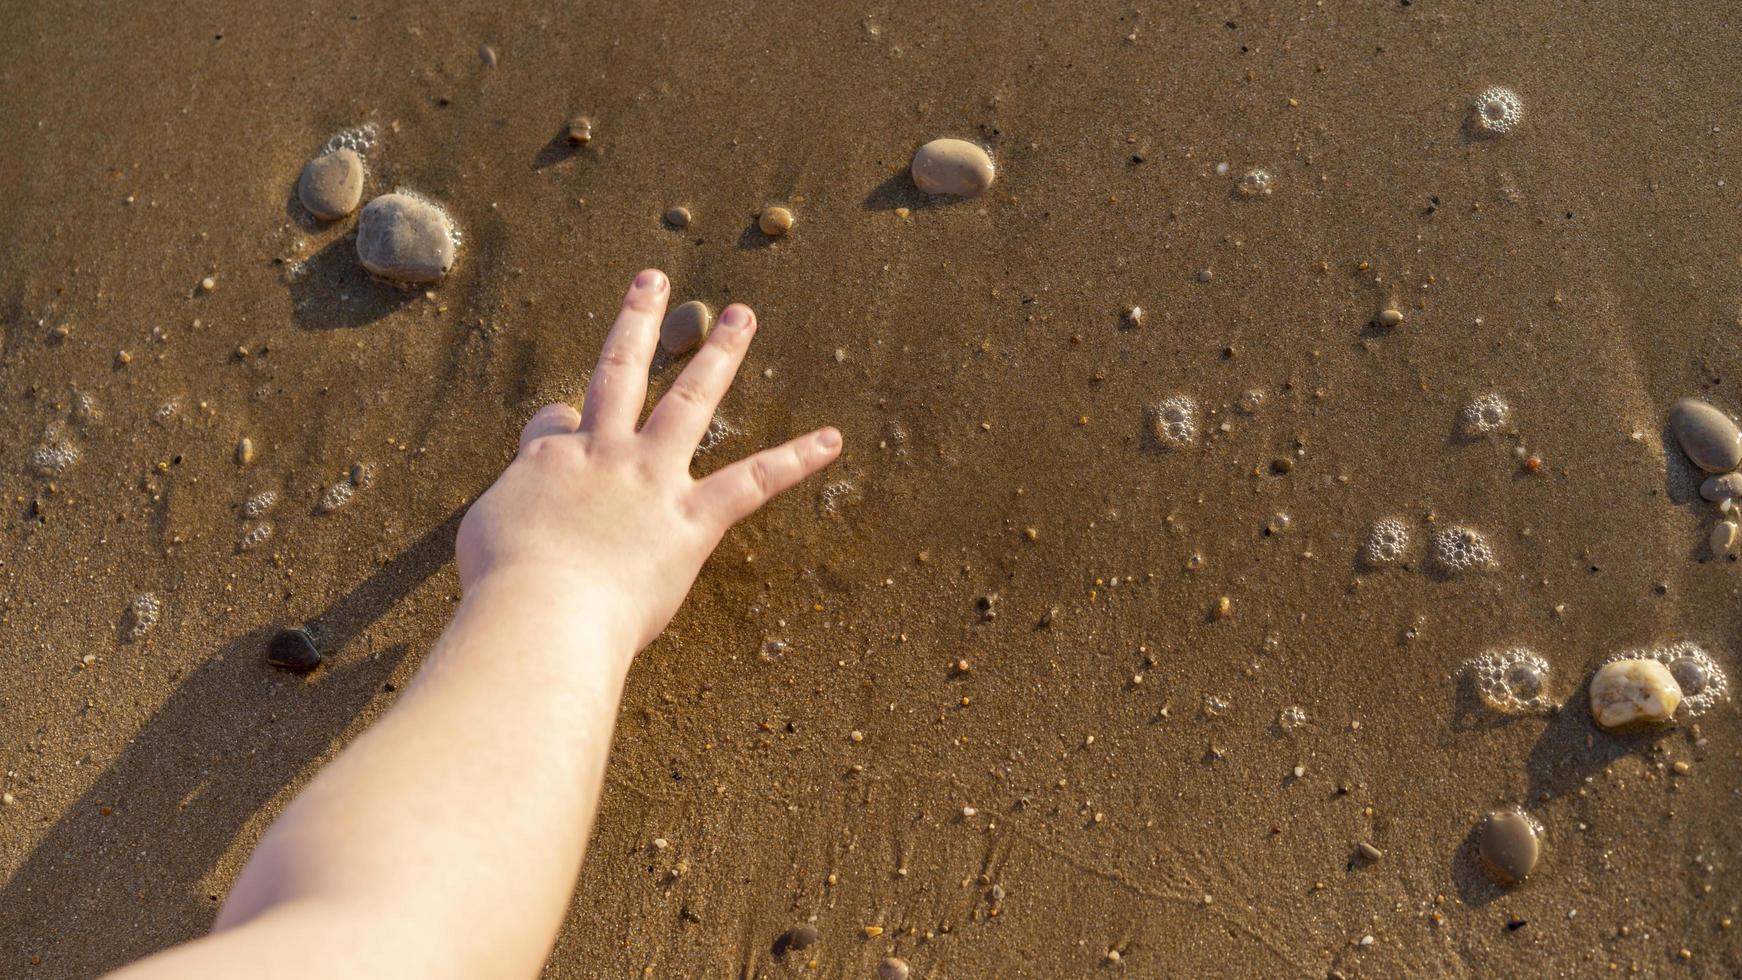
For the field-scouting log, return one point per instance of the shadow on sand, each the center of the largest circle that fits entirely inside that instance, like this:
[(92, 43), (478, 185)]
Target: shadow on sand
[(126, 860), (333, 291)]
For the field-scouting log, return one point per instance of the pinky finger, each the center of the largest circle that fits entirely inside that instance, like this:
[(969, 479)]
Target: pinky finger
[(736, 492)]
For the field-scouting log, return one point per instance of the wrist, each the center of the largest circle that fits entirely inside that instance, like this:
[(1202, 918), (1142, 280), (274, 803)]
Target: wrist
[(562, 601)]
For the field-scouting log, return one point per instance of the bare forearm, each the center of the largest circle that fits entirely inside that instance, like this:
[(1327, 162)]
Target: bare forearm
[(453, 830)]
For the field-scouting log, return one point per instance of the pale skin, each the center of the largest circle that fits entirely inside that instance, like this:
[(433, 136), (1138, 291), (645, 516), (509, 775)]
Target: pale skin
[(446, 840)]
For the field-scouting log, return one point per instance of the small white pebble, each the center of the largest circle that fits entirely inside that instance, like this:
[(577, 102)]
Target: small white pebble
[(660, 843), (969, 811)]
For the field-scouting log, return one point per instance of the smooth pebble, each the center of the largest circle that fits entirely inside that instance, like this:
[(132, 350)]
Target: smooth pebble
[(685, 327), (774, 221), (1723, 537), (678, 217), (331, 184), (892, 969), (1509, 845), (796, 939), (1624, 692), (952, 167), (294, 650), (405, 238), (1724, 486), (579, 131), (1707, 435)]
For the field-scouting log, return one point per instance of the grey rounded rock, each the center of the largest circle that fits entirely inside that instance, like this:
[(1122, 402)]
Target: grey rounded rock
[(1509, 844), (797, 939), (952, 167), (1707, 435), (892, 969), (685, 327), (331, 184), (405, 238), (1721, 487), (678, 217)]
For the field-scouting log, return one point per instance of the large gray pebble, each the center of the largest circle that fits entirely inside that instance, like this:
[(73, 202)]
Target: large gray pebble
[(331, 184), (952, 167), (405, 238), (1707, 435)]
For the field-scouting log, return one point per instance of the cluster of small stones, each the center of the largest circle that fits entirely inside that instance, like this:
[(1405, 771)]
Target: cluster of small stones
[(1713, 442)]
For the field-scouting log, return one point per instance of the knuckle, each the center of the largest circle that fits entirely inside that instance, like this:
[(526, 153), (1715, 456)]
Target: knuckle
[(614, 358), (690, 392), (762, 477)]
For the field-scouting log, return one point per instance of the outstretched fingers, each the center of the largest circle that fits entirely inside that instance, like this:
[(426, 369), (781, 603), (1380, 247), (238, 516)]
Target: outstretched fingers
[(681, 418), (618, 387), (735, 492)]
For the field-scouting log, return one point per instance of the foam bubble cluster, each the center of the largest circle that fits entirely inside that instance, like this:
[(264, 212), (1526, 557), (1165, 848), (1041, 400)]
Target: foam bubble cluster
[(335, 496), (1485, 414), (1256, 183), (1498, 111), (357, 139), (1174, 421), (833, 494), (1702, 681), (1291, 718), (719, 430), (54, 459), (259, 504), (1461, 549), (1387, 542), (256, 536), (142, 614), (1512, 681)]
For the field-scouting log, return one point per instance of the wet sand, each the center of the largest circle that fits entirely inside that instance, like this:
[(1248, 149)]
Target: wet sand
[(994, 397)]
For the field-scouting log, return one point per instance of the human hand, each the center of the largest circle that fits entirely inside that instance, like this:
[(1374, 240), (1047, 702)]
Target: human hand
[(608, 518)]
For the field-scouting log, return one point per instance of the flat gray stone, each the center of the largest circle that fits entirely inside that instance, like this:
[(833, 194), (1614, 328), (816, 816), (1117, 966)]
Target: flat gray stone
[(952, 167), (685, 327), (1509, 845), (331, 184), (405, 239), (1707, 435)]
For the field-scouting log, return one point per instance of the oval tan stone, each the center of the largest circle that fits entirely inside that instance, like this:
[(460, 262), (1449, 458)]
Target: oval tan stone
[(685, 327), (331, 184), (405, 238), (1508, 845), (774, 221), (1707, 435), (1722, 486), (952, 167), (1629, 692)]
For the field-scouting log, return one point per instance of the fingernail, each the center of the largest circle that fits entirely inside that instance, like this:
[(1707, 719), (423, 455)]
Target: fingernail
[(829, 439), (735, 317), (649, 279)]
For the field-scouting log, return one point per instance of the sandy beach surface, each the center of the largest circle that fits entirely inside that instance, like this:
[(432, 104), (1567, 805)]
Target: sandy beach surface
[(1038, 680)]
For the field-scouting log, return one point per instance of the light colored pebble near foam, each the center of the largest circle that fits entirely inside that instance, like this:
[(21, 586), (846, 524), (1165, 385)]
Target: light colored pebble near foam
[(1707, 435), (331, 184), (1723, 486), (685, 327), (1723, 537), (952, 167), (1624, 692), (405, 238)]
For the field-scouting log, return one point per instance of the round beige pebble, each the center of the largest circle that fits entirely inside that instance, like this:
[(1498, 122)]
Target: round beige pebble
[(774, 221), (952, 167), (405, 238), (1626, 692), (1722, 486), (678, 217), (1509, 845), (1723, 537), (1707, 435), (331, 184), (685, 327)]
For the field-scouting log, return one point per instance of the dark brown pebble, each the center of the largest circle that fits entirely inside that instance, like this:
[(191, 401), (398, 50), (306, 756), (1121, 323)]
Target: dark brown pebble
[(797, 938), (579, 132), (293, 650), (1282, 464)]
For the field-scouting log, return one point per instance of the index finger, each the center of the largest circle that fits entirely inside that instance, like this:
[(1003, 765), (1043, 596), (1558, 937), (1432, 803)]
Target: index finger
[(618, 387)]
